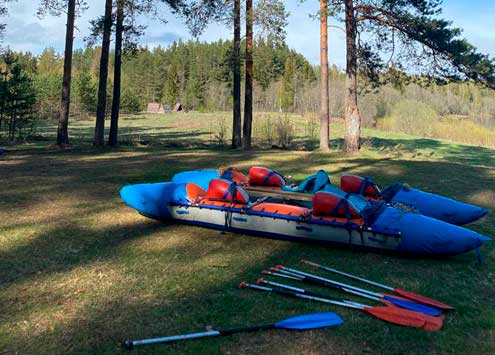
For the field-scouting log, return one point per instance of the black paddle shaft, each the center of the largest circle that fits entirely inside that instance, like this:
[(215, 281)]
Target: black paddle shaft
[(253, 328)]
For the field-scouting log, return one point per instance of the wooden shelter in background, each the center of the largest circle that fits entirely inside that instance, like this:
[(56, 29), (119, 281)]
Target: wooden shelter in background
[(155, 107), (178, 107)]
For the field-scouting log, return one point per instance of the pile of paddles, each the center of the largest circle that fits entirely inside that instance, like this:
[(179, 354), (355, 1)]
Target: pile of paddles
[(404, 308)]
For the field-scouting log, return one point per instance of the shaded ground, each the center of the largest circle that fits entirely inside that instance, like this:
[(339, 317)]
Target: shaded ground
[(80, 271)]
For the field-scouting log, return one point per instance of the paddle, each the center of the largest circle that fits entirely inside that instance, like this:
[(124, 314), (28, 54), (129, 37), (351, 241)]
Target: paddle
[(389, 314), (400, 302), (262, 281), (302, 322), (406, 294), (266, 272)]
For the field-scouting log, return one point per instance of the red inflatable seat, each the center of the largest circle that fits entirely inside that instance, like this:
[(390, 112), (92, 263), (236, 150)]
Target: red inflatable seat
[(265, 177), (226, 191), (359, 185), (236, 176), (328, 204)]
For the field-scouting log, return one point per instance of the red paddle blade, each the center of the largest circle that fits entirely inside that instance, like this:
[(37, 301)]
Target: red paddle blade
[(431, 323), (434, 323), (397, 316), (422, 299)]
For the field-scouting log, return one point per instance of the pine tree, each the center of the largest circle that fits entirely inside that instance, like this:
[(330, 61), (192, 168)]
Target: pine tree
[(119, 31), (289, 80), (236, 68), (324, 102), (102, 82), (429, 45), (248, 87), (18, 98), (87, 93), (70, 7)]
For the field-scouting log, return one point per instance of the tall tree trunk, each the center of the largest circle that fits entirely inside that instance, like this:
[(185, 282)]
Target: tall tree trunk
[(236, 124), (324, 116), (63, 120), (352, 115), (114, 123), (99, 138), (248, 91)]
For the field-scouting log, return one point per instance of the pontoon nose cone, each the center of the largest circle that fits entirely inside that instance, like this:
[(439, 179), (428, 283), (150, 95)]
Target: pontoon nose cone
[(150, 200), (439, 207), (199, 177), (463, 213), (428, 236)]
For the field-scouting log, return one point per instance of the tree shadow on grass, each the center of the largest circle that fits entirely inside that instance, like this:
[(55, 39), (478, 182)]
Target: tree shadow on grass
[(194, 285), (192, 282)]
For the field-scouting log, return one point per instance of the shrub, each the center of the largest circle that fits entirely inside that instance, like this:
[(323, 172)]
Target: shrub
[(221, 133), (266, 132), (312, 125), (411, 117), (285, 131)]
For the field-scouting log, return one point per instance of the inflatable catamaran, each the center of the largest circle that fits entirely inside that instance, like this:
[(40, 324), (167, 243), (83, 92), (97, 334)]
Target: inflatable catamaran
[(263, 205)]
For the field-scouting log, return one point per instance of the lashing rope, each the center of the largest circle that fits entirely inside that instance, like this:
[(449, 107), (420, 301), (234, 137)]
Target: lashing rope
[(228, 214)]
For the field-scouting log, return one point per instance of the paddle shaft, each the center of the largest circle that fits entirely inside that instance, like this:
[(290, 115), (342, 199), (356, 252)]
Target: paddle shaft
[(324, 283), (318, 266), (266, 272), (397, 301), (129, 344), (306, 292), (408, 295), (307, 297), (332, 282)]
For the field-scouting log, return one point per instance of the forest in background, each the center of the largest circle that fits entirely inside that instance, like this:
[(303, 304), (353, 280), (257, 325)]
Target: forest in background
[(199, 75)]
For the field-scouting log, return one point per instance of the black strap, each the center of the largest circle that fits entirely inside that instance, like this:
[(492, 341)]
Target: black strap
[(364, 184), (228, 213), (345, 203)]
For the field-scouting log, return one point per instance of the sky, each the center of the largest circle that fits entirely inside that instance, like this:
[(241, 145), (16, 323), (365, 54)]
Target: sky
[(26, 32)]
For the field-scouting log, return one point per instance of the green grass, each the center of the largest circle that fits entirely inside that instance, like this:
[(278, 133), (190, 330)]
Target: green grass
[(80, 271)]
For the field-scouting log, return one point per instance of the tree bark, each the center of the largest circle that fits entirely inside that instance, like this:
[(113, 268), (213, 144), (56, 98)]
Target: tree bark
[(324, 115), (352, 115), (99, 138), (63, 120), (114, 122), (236, 124), (248, 93)]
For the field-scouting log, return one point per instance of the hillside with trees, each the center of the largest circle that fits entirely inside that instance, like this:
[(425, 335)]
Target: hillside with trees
[(199, 75)]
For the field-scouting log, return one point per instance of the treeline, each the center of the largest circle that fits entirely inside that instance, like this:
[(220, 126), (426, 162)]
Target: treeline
[(196, 74), (199, 75)]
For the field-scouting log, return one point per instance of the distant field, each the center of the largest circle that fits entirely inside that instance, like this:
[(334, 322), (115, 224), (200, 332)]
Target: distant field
[(80, 271), (195, 129)]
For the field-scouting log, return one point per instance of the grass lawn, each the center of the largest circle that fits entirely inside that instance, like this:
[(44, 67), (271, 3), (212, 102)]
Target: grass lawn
[(80, 271)]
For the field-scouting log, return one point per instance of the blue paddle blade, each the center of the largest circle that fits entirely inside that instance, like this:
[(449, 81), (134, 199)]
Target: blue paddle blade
[(413, 306), (310, 321)]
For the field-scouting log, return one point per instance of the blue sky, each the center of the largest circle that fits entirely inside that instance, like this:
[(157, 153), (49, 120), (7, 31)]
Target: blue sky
[(28, 33)]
